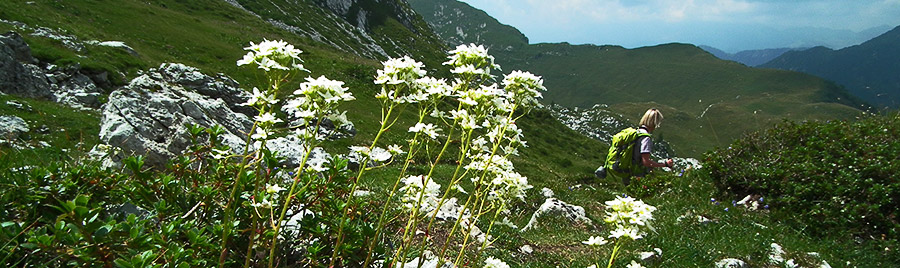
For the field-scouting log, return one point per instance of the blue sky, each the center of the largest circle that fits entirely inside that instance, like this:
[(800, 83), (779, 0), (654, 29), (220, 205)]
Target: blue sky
[(730, 25)]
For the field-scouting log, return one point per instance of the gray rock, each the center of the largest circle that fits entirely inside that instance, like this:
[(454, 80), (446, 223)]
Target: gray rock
[(218, 87), (119, 44), (11, 127), (18, 75), (731, 263), (149, 115), (78, 90), (20, 49), (553, 205)]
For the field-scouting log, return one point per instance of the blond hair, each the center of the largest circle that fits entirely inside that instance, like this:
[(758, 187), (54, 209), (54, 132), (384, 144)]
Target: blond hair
[(652, 118)]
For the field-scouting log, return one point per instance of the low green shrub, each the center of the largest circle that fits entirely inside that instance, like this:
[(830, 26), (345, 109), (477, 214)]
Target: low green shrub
[(837, 177)]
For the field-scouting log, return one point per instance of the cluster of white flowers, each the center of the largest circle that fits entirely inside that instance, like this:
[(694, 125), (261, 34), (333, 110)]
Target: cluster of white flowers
[(502, 129), (261, 133), (508, 185), (524, 88), (416, 186), (399, 71), (503, 182), (628, 215), (595, 241), (427, 90), (318, 98), (484, 97), (260, 98), (471, 59), (403, 81), (483, 161), (428, 129), (263, 200), (634, 264), (273, 55), (492, 262), (377, 154), (267, 119)]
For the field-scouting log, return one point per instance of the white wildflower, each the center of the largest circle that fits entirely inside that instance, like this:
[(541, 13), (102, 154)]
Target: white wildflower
[(395, 149), (268, 55), (416, 186), (273, 188), (524, 88), (260, 98), (474, 55), (379, 154), (634, 264), (492, 262), (399, 71), (427, 129), (267, 119), (595, 241), (260, 134)]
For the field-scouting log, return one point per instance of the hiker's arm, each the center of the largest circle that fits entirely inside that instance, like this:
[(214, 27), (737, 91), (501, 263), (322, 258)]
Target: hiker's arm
[(645, 159)]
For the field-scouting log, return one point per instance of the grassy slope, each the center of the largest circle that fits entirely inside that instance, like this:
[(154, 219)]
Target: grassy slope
[(683, 80), (206, 34), (707, 102)]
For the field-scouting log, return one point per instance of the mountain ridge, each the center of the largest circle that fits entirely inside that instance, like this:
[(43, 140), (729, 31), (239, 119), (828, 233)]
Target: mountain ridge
[(868, 70), (708, 101), (751, 58)]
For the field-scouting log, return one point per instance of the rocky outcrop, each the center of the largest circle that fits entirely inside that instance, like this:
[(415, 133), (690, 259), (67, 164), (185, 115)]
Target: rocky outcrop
[(558, 207), (150, 115), (23, 75), (18, 73), (731, 263), (350, 26)]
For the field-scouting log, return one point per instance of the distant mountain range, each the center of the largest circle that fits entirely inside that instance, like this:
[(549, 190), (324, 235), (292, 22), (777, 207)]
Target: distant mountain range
[(749, 57), (707, 101), (870, 70)]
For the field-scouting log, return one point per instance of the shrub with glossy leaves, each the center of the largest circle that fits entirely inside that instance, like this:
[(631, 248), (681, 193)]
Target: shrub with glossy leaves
[(837, 176)]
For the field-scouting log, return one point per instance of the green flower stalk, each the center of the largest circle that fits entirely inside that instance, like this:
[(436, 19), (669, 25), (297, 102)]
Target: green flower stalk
[(398, 86), (279, 61), (316, 100)]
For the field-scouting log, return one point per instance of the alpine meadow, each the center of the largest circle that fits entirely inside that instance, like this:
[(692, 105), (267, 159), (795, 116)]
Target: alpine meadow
[(413, 133)]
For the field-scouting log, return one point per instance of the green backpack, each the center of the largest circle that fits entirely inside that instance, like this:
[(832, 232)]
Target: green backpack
[(620, 159)]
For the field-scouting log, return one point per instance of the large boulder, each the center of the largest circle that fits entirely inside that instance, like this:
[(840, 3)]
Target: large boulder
[(150, 115), (18, 73)]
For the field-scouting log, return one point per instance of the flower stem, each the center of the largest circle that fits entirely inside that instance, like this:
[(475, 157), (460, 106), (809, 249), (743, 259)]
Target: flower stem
[(413, 218), (287, 201), (615, 252), (362, 168)]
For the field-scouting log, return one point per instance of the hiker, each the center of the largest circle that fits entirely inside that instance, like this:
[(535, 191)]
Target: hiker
[(629, 153)]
